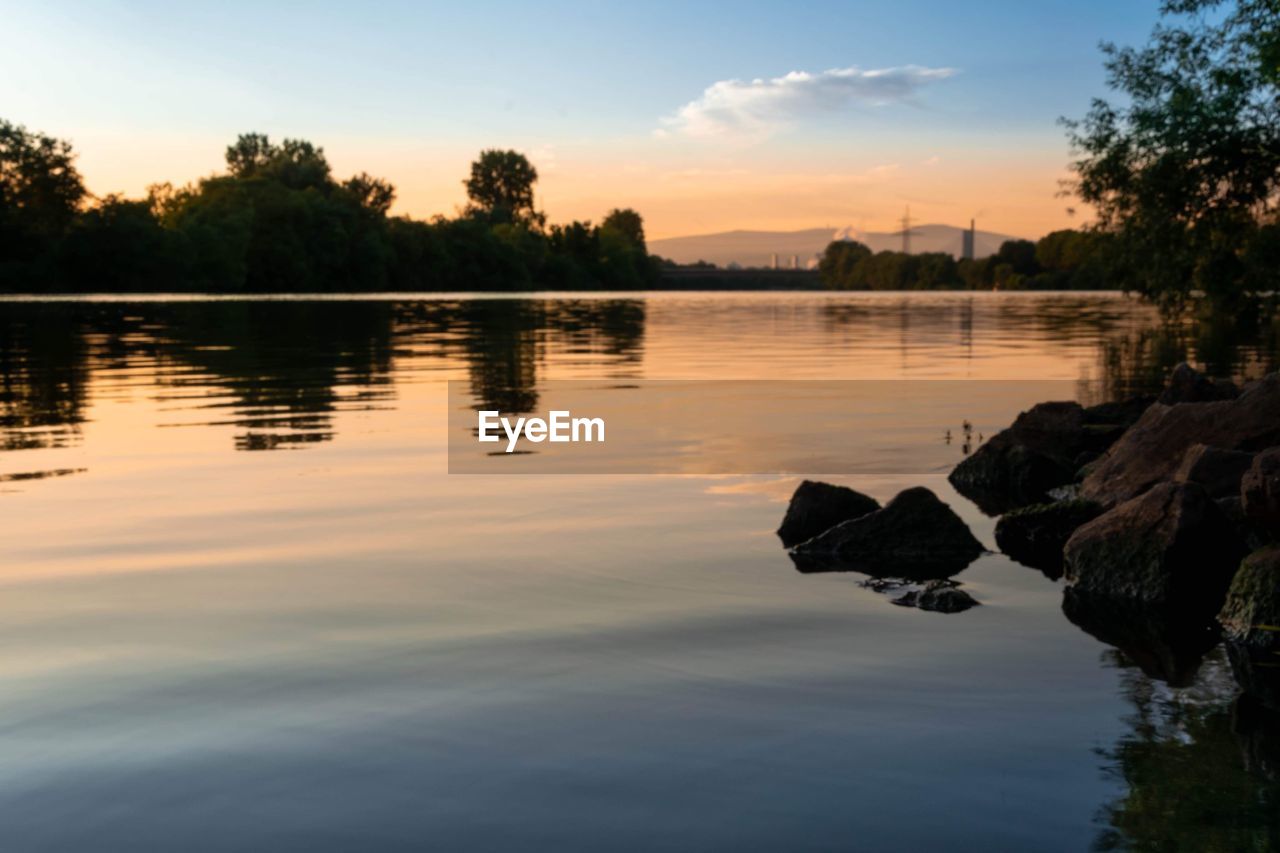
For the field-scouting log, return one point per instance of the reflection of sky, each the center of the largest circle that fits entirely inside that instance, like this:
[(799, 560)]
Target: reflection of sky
[(213, 648), (154, 91)]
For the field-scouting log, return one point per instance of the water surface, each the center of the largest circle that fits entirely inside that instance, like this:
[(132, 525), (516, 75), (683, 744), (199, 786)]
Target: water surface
[(246, 607)]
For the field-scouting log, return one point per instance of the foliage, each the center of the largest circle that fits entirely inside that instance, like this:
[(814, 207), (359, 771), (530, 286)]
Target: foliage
[(40, 194), (500, 188), (1185, 170), (278, 221)]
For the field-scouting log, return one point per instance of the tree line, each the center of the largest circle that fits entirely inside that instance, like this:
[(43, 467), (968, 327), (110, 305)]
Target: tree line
[(1062, 260), (278, 221)]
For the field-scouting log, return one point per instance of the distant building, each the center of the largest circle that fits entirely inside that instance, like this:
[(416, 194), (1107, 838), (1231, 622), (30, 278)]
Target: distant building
[(773, 263), (968, 240)]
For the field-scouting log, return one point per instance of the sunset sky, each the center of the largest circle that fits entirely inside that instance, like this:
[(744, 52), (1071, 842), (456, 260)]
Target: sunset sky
[(705, 117)]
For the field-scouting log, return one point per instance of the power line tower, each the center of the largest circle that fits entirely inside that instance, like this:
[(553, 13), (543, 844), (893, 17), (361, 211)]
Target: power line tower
[(906, 231)]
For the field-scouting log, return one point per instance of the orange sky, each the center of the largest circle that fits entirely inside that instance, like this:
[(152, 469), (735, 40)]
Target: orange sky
[(681, 188)]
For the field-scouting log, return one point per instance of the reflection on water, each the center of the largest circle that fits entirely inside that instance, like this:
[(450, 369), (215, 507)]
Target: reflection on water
[(208, 649), (1200, 768)]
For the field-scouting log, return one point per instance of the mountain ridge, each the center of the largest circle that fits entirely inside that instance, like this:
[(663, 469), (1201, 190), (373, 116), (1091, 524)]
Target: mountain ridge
[(755, 248)]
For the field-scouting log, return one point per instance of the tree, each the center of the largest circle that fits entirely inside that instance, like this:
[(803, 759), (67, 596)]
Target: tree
[(40, 189), (839, 264), (1186, 170), (627, 224), (295, 163), (373, 194), (501, 187)]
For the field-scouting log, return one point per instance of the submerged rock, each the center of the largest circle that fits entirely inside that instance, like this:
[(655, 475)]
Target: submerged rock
[(1171, 547), (1218, 470), (1151, 450), (1188, 385), (1165, 644), (914, 535), (940, 596), (1035, 535), (817, 507), (1019, 465), (1260, 492)]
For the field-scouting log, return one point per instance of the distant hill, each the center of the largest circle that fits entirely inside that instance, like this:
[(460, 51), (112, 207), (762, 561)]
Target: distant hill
[(756, 248)]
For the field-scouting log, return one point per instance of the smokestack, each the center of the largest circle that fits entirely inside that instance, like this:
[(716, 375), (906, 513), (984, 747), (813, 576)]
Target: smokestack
[(968, 241)]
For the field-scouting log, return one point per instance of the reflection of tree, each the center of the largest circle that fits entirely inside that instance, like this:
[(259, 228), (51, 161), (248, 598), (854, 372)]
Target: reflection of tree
[(279, 371), (1200, 771), (43, 377), (506, 340), (288, 366)]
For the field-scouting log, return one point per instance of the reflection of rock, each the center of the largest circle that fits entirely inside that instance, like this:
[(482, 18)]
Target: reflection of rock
[(1257, 672), (1171, 547), (1260, 492), (1218, 470), (914, 535), (940, 596), (1035, 535), (1258, 728), (1018, 466), (1165, 644), (1153, 448), (1188, 385), (817, 507)]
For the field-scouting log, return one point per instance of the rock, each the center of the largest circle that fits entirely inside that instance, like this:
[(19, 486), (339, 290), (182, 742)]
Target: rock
[(1251, 614), (1166, 645), (1153, 448), (1260, 492), (914, 535), (1188, 385), (1035, 535), (1119, 412), (817, 507), (1019, 465), (1218, 470), (1169, 548), (1233, 509), (940, 596)]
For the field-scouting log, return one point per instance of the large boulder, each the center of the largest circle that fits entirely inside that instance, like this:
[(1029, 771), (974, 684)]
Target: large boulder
[(1151, 450), (1251, 625), (1035, 535), (1188, 385), (1260, 492), (817, 507), (1124, 413), (1170, 548), (1251, 614), (1218, 470), (915, 535), (1039, 452)]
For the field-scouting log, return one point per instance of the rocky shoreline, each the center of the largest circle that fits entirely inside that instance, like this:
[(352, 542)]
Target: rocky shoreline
[(1160, 514)]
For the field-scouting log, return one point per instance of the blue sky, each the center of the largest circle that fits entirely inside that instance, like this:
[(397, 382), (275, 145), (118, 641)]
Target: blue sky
[(385, 86)]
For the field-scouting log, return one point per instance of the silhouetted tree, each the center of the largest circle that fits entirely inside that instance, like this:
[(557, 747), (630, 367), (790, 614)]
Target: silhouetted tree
[(1185, 170), (40, 193), (627, 224), (501, 187)]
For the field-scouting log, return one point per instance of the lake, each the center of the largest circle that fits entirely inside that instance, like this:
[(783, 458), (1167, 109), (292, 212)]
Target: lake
[(246, 606)]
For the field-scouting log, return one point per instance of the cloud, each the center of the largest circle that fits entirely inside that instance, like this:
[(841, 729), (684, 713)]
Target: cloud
[(759, 107)]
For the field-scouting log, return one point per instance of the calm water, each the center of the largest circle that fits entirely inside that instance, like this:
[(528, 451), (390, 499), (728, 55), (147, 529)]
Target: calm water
[(245, 606)]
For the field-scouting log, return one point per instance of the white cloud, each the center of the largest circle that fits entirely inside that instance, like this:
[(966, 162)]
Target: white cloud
[(759, 107)]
